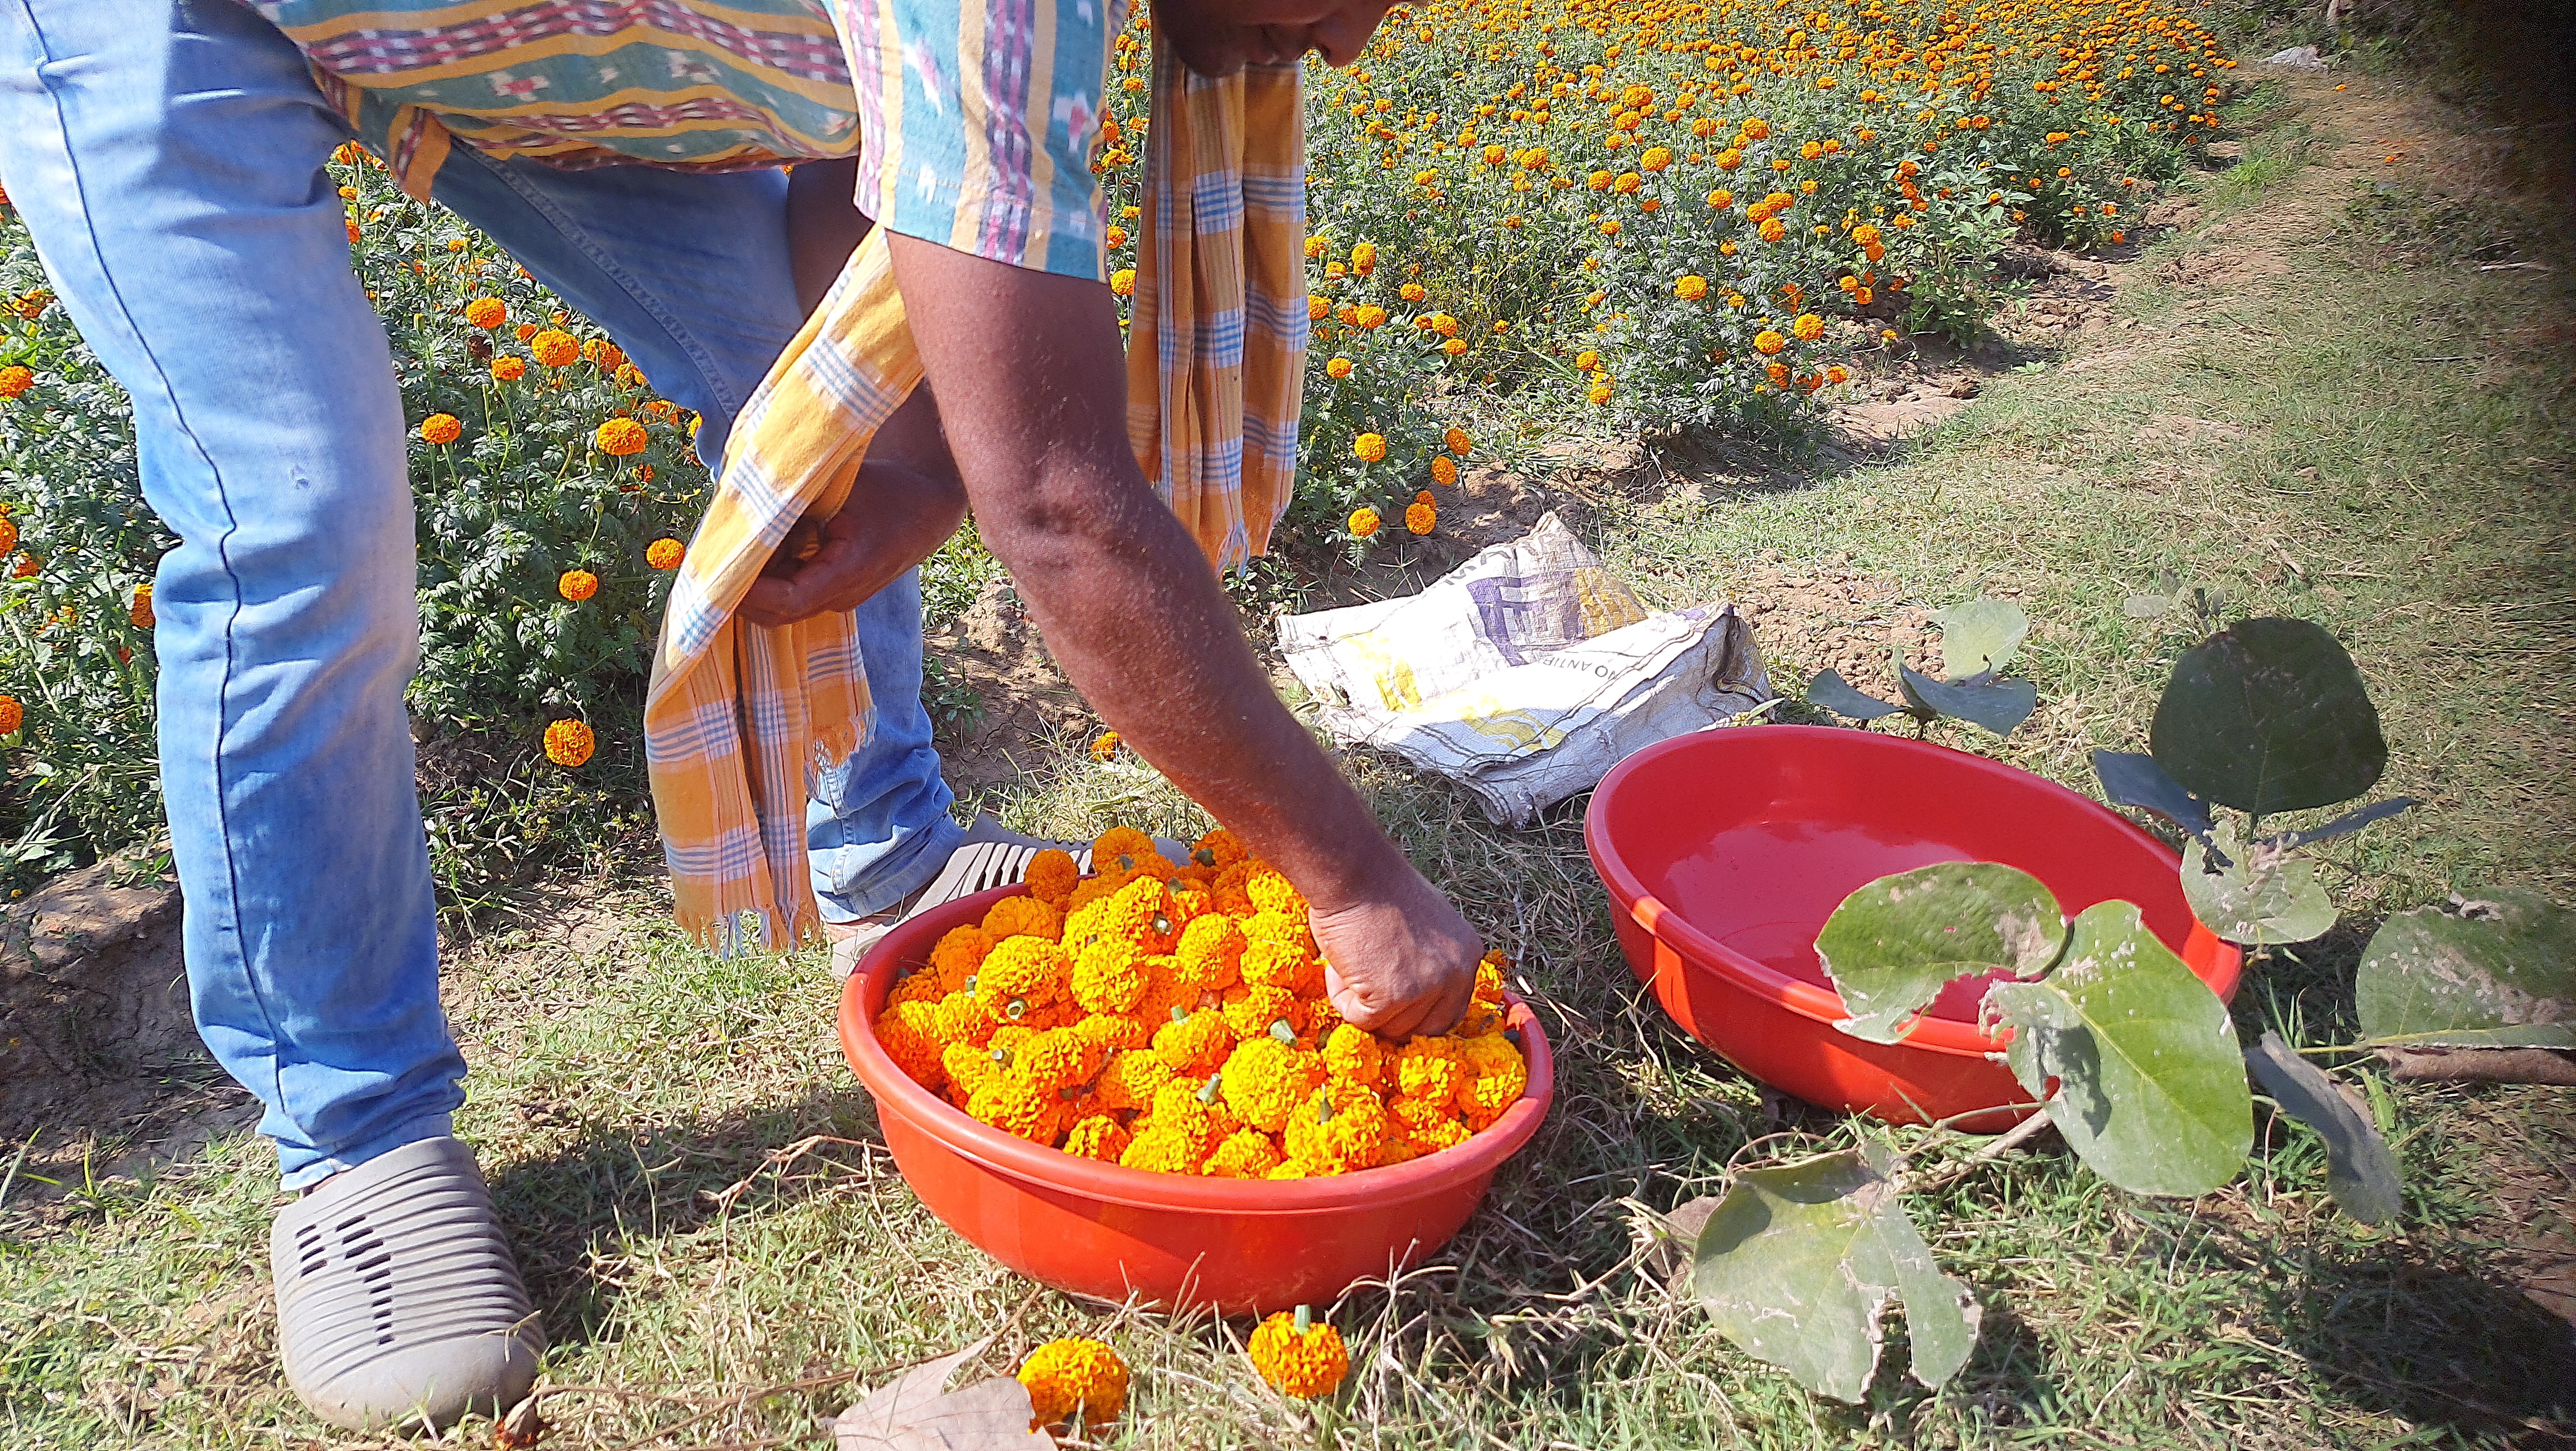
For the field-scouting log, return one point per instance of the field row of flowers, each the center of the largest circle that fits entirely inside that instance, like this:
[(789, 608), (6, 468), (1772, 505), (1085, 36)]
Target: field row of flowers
[(1649, 215)]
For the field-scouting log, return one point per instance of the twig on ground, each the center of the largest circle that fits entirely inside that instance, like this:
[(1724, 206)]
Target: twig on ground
[(725, 1198)]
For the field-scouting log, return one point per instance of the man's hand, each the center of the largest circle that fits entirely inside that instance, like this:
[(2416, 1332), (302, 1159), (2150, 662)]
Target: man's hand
[(906, 503), (1400, 964)]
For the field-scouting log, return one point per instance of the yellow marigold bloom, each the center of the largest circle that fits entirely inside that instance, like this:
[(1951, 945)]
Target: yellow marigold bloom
[(1355, 1055), (1721, 198), (1627, 183), (1494, 155), (1298, 1355), (1164, 1150), (1099, 1136), (1656, 158), (665, 553), (1131, 1078), (1016, 1106), (1020, 975), (1767, 342), (440, 428), (1757, 128), (487, 312), (1729, 159), (1811, 151), (555, 348), (1413, 292), (1364, 258), (1051, 875), (1419, 518), (1364, 522), (1598, 394), (12, 715), (577, 584), (1265, 1080), (1369, 448), (1371, 315), (1104, 745), (1123, 281), (1317, 246), (1609, 226), (1245, 1154), (1807, 328), (1587, 360), (619, 437), (509, 367), (1691, 287), (140, 609), (1318, 307), (1773, 229), (569, 742), (1444, 470), (1457, 441), (1338, 367), (1342, 1129), (15, 379), (8, 533), (1108, 976), (1864, 234), (1022, 917)]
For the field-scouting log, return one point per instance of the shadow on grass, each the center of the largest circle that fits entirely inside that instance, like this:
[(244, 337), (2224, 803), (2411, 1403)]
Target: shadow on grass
[(567, 1212), (2426, 1339)]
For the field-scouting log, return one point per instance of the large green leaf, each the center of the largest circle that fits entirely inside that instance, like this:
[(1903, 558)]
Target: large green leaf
[(2501, 974), (2269, 715), (1980, 636), (2150, 1085), (1998, 705), (1829, 691), (2262, 896), (2360, 1172), (1798, 1265), (1892, 945)]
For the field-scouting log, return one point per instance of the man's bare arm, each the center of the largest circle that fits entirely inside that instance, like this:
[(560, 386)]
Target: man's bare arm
[(1031, 380)]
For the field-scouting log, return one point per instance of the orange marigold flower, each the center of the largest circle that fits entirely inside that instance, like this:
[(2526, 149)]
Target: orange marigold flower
[(555, 348), (8, 534), (1413, 292), (1609, 226), (569, 742), (1457, 441), (1691, 287), (1767, 342), (1418, 518), (509, 367), (1807, 328), (1104, 746), (12, 715), (1339, 367), (577, 584), (487, 312), (440, 428), (140, 611), (1318, 307), (665, 553), (1656, 158), (1369, 448), (1364, 522), (15, 379), (1123, 282), (1444, 470), (619, 437), (1299, 1355), (1627, 183), (1371, 315)]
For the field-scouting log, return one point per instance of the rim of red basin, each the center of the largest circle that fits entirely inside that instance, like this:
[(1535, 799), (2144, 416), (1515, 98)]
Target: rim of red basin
[(1143, 1188), (1940, 1035)]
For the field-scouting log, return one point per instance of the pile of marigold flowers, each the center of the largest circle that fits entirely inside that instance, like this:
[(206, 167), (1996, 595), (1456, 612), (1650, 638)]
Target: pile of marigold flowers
[(1171, 1016)]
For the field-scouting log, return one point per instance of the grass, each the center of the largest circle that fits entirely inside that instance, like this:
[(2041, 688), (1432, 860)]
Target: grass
[(2266, 429)]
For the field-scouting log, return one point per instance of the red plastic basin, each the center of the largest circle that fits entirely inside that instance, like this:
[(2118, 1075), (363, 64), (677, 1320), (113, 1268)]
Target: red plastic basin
[(1168, 1240), (1724, 852)]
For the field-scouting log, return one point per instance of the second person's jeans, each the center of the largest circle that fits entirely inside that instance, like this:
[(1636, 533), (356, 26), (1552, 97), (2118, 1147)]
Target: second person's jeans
[(168, 157)]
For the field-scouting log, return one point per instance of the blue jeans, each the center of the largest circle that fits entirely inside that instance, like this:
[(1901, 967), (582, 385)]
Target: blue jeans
[(168, 157)]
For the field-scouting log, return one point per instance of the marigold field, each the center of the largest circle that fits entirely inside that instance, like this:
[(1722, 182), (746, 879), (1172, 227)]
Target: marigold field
[(1641, 217)]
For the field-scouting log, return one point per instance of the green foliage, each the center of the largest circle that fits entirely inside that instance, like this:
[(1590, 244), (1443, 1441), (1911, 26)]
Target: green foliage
[(1894, 944), (2149, 1087), (2361, 1173), (1978, 639), (2501, 972), (1830, 1237), (2259, 896), (2269, 715)]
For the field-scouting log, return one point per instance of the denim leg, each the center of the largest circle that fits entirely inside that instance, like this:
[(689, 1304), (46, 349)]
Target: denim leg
[(168, 157), (689, 273)]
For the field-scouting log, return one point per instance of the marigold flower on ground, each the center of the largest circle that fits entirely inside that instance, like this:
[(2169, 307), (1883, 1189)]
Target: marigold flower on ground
[(1104, 746), (1364, 522), (619, 437), (440, 428), (487, 312), (1369, 448), (12, 715), (1419, 518), (1299, 1355), (569, 742), (665, 553), (577, 585)]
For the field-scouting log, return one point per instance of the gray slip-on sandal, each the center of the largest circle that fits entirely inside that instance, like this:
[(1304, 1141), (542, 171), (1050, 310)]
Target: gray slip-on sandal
[(991, 856), (397, 1298)]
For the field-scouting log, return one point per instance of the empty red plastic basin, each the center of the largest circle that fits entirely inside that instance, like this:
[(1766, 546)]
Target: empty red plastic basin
[(1169, 1240), (1724, 852)]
